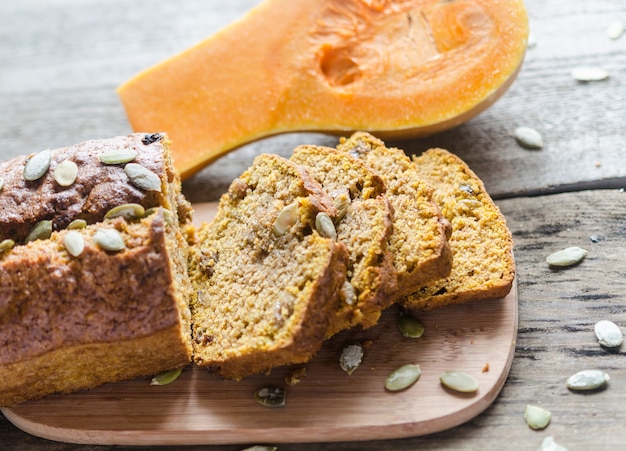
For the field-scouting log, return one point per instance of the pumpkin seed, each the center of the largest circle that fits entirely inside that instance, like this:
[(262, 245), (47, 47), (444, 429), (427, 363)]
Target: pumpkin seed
[(459, 381), (615, 29), (341, 201), (285, 219), (117, 156), (166, 377), (351, 357), (41, 231), (109, 239), (403, 377), (151, 138), (142, 177), (1, 184), (77, 224), (410, 326), (126, 211), (37, 165), (349, 293), (260, 448), (324, 226), (587, 380), (295, 376), (548, 444), (6, 245), (537, 417), (271, 396), (608, 334), (65, 173), (586, 74), (74, 243), (528, 137), (567, 257)]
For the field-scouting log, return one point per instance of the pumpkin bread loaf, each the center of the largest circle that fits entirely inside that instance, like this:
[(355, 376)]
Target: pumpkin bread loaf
[(266, 281), (363, 223), (483, 266), (419, 243), (106, 300)]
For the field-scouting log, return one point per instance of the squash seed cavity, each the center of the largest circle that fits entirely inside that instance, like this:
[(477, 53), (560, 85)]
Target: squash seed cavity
[(65, 173), (459, 381), (351, 357), (109, 240), (537, 417), (143, 178), (166, 377), (410, 326), (126, 211), (74, 243), (117, 156), (403, 377), (587, 380), (567, 257), (608, 334), (271, 396), (37, 165), (41, 231)]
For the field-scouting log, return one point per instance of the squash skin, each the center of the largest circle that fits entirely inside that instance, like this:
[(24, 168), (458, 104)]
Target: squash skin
[(396, 68)]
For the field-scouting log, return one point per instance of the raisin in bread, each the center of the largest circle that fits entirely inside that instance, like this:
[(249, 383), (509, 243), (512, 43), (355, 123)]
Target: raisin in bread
[(266, 281), (483, 266), (364, 224), (419, 243)]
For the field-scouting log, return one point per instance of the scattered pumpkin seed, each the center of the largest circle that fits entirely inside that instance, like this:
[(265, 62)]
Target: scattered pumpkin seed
[(65, 173), (77, 224), (532, 41), (586, 74), (567, 257), (548, 444), (528, 137), (410, 326), (608, 334), (351, 357), (166, 377), (459, 381), (285, 219), (537, 417), (615, 30), (587, 380), (117, 156), (324, 226), (74, 243), (271, 396), (40, 231), (142, 177), (6, 245), (403, 377), (109, 239), (126, 211), (37, 165), (349, 293)]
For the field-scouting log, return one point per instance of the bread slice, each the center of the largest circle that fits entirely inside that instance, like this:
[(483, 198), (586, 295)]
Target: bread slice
[(483, 266), (364, 224), (419, 244), (75, 322), (266, 281)]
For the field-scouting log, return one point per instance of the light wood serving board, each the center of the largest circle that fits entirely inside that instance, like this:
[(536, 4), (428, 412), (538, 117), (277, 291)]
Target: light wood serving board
[(327, 405)]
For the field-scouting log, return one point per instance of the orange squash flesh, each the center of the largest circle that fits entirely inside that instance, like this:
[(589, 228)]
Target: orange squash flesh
[(395, 68)]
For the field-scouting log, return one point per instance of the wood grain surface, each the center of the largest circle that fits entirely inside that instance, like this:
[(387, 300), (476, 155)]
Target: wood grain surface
[(62, 60)]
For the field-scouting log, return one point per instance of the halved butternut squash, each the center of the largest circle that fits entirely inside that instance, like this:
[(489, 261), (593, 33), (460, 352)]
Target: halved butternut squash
[(397, 68)]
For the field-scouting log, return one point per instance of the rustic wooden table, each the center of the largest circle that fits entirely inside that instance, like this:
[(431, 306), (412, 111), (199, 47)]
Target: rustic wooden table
[(62, 60)]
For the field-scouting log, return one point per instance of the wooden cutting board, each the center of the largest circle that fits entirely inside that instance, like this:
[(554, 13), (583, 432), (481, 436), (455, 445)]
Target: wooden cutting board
[(327, 405)]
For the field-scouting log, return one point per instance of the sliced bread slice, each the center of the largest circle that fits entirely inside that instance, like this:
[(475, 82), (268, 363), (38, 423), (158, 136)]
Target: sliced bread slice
[(266, 281), (419, 244), (364, 224), (483, 266)]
